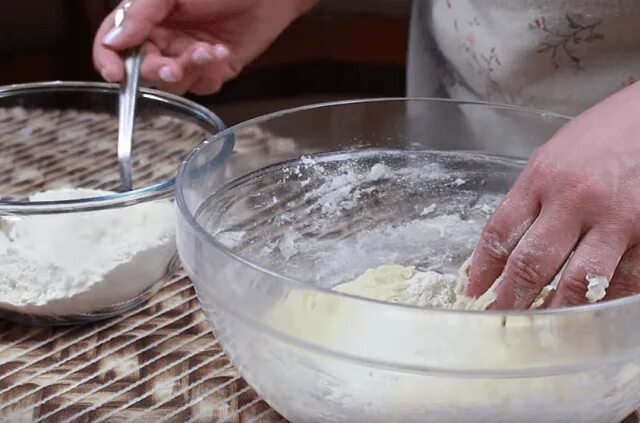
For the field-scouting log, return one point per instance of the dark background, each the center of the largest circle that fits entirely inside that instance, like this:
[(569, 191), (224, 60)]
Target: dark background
[(343, 49)]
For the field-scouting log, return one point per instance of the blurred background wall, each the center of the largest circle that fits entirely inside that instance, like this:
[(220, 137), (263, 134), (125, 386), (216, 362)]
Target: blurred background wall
[(343, 49)]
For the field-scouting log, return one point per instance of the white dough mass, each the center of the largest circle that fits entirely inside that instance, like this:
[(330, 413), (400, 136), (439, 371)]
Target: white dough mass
[(403, 284), (406, 285)]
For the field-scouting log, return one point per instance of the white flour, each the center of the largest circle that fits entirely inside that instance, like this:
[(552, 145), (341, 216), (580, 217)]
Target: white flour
[(71, 263)]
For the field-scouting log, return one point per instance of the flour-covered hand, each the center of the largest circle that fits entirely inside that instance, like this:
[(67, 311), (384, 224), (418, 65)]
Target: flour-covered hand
[(580, 194), (192, 45)]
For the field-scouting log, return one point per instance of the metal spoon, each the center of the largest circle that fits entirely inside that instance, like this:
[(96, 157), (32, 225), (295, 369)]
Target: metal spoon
[(127, 105)]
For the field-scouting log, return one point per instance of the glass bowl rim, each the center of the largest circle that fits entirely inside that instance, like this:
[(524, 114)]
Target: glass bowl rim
[(156, 191), (227, 133)]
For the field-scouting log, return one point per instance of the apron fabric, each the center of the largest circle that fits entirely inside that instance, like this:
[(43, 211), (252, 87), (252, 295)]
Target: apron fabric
[(561, 56)]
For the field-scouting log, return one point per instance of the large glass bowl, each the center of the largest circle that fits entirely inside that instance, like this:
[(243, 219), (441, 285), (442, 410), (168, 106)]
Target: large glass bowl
[(313, 196), (61, 135)]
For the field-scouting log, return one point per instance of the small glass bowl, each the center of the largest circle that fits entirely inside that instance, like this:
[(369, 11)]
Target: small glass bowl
[(58, 135)]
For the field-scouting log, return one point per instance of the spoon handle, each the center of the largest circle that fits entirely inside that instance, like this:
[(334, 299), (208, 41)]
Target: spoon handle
[(127, 106)]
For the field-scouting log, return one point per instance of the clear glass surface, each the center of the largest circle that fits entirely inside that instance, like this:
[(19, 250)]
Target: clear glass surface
[(64, 135), (311, 197)]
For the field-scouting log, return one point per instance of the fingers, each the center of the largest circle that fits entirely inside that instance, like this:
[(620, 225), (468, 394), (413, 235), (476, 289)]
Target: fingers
[(206, 84), (173, 60), (537, 259), (105, 60), (140, 19), (158, 69), (597, 254), (110, 41), (108, 63), (212, 77), (500, 236), (626, 279), (201, 68)]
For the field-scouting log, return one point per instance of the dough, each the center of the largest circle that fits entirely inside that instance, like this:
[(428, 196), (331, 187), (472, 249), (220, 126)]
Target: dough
[(403, 284), (596, 288)]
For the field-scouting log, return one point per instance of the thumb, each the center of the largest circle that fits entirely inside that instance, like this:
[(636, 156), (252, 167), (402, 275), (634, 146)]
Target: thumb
[(140, 18)]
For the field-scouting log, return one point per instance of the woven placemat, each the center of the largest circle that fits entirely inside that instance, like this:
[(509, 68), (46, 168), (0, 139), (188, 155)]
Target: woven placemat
[(157, 363)]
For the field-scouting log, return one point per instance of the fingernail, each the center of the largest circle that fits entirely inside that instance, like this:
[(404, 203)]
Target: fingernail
[(106, 75), (112, 35), (201, 56), (166, 74), (221, 51)]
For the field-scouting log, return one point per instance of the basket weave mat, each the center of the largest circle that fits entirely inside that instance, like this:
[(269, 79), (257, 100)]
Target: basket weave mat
[(157, 363)]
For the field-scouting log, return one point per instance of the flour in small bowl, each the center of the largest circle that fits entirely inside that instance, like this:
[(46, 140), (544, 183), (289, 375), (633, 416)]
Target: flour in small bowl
[(72, 263)]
